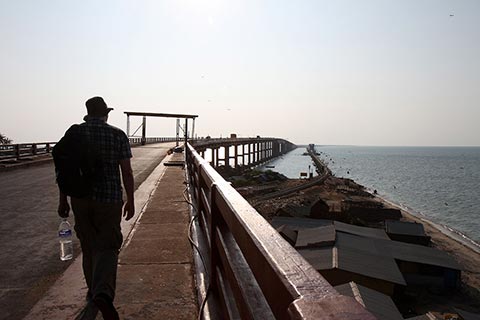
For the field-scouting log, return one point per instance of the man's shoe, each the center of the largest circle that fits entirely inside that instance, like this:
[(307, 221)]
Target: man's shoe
[(88, 313), (106, 308)]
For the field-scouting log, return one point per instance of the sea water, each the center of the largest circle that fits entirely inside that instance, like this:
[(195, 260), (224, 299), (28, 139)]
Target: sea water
[(440, 184)]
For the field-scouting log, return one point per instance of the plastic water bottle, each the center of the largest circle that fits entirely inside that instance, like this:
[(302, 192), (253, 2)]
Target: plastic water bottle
[(65, 238)]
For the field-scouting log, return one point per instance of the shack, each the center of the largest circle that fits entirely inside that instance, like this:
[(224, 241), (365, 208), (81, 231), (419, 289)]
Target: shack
[(344, 253), (379, 304), (288, 234), (360, 231), (348, 210), (291, 210), (409, 232), (320, 209), (419, 265), (343, 265), (377, 215), (316, 237), (299, 223)]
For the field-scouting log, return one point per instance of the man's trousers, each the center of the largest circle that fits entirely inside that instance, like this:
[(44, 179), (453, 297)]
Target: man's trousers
[(97, 226)]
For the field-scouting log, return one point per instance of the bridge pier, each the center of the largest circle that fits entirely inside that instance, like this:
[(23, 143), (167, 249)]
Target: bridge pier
[(237, 152), (226, 157), (236, 156)]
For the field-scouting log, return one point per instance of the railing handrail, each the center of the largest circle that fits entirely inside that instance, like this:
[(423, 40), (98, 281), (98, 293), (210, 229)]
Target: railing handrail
[(26, 144), (139, 140), (19, 150), (16, 151), (250, 261), (210, 142)]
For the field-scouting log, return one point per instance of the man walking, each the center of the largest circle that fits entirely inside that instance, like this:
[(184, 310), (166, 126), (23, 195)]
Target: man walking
[(99, 213)]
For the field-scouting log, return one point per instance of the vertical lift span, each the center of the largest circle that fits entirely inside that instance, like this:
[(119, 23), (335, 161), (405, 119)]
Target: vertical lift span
[(144, 115)]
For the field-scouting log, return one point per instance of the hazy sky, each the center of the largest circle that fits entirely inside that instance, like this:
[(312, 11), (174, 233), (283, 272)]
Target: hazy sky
[(330, 72)]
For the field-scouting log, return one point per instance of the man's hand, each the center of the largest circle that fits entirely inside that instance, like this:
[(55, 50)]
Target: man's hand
[(128, 210), (127, 177), (63, 206)]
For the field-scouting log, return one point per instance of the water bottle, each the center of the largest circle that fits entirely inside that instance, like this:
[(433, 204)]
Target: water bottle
[(65, 238)]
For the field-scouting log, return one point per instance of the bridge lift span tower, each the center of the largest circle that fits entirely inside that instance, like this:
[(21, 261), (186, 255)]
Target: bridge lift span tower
[(144, 115)]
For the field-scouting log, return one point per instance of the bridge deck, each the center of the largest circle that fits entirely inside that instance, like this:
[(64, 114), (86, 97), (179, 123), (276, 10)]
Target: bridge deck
[(155, 273)]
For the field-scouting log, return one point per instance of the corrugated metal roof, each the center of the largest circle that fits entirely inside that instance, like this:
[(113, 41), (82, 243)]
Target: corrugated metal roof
[(379, 304), (420, 254), (319, 258), (361, 244), (316, 237), (299, 223), (374, 266), (363, 263), (360, 231), (405, 228), (288, 234), (397, 250), (304, 223)]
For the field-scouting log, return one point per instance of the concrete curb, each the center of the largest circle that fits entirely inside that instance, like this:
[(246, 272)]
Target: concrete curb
[(26, 164)]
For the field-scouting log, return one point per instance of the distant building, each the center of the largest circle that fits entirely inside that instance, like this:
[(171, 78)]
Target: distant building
[(409, 232), (298, 223), (348, 210), (288, 234), (342, 253), (316, 237), (419, 265), (374, 233), (380, 305), (374, 214), (320, 210), (343, 265), (291, 210)]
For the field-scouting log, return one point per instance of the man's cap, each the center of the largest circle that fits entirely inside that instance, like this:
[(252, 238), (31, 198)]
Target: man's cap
[(97, 107)]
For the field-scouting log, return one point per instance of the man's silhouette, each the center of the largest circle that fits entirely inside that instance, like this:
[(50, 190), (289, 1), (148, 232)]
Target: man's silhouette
[(98, 215)]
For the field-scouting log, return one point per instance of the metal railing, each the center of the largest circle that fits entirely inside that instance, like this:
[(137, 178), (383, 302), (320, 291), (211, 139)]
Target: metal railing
[(253, 272), (24, 150), (16, 152), (138, 140)]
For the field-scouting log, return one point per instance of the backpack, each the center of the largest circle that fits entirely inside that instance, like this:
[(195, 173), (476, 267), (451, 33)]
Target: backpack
[(76, 164)]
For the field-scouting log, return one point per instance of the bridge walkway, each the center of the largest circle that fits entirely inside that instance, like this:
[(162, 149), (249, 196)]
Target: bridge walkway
[(155, 273)]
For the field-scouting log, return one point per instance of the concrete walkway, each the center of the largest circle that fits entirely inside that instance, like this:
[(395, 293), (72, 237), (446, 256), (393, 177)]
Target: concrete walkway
[(155, 274)]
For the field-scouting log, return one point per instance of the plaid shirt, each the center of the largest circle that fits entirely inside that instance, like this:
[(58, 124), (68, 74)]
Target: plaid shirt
[(111, 145)]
